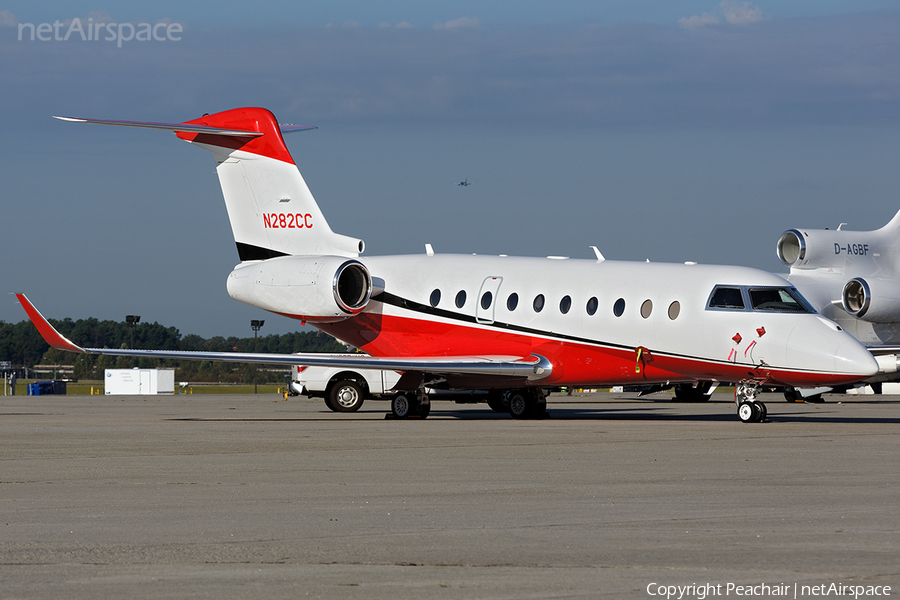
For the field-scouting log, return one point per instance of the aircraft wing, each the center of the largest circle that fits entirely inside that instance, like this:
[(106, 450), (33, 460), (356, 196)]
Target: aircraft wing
[(883, 350), (532, 368)]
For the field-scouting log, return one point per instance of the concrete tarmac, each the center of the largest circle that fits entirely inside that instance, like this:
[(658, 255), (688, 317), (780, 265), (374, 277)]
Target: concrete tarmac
[(254, 497)]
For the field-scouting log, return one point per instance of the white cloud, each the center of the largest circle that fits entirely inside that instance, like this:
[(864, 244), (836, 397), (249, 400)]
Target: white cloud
[(698, 21), (101, 16), (741, 13), (460, 23), (7, 19), (735, 13)]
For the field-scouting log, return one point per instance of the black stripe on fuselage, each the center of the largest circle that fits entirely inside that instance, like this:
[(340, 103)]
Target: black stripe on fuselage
[(393, 300), (404, 303), (250, 252)]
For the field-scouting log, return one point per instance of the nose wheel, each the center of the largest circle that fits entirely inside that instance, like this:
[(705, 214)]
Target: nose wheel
[(749, 409), (752, 412)]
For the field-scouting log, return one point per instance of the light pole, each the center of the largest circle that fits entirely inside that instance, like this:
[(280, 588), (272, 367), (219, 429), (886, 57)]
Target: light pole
[(256, 324), (132, 320)]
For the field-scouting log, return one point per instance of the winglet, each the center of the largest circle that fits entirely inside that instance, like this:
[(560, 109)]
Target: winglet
[(50, 335)]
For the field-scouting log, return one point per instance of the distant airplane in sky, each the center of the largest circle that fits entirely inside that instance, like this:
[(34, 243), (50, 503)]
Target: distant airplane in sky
[(517, 326), (464, 183)]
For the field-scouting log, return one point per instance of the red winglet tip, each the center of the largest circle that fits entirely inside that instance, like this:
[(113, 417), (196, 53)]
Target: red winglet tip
[(270, 145), (47, 331)]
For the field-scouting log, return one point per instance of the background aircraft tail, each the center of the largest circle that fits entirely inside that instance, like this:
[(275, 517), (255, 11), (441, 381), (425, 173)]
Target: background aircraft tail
[(843, 250), (866, 264), (271, 209)]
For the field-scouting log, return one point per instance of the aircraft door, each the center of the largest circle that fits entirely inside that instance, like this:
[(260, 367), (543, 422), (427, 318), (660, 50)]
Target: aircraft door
[(487, 300), (144, 382)]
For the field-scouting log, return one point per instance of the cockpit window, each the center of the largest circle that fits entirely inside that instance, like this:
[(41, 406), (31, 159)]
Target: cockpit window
[(727, 297), (777, 299)]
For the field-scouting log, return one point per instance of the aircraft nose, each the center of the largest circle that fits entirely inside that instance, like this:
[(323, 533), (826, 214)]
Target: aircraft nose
[(852, 358), (832, 352)]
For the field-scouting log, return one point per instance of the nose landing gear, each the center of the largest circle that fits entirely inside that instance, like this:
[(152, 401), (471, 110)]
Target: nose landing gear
[(749, 409)]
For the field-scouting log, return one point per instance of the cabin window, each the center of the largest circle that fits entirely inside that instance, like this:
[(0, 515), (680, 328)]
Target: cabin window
[(592, 306), (619, 307), (727, 297), (512, 302), (646, 308), (565, 304), (776, 299), (435, 298), (674, 310), (538, 303), (486, 300), (461, 299)]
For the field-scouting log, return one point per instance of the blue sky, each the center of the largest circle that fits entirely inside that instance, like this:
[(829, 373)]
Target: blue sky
[(496, 13), (664, 130)]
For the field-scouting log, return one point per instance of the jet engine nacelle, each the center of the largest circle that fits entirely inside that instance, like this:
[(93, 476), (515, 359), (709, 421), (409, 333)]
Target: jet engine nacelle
[(824, 248), (314, 288), (872, 299)]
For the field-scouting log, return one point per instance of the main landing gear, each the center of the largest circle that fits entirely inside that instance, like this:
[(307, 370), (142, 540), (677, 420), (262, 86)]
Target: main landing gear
[(528, 403), (749, 409), (406, 405)]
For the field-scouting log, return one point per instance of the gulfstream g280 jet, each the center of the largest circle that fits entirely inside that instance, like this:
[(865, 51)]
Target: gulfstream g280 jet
[(518, 326)]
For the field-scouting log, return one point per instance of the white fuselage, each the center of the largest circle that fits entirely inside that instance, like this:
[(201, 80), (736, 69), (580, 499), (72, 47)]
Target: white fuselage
[(664, 331)]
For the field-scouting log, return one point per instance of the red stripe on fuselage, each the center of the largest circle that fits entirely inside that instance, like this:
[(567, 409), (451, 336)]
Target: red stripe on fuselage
[(574, 363)]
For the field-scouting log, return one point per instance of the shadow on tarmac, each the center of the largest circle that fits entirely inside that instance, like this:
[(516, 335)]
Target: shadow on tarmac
[(655, 412)]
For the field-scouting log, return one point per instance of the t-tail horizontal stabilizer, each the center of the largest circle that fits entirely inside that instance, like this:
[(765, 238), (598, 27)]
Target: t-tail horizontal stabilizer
[(271, 210), (186, 127)]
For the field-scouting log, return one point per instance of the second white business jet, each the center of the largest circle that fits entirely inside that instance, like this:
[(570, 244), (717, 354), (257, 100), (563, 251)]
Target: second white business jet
[(853, 278), (516, 325)]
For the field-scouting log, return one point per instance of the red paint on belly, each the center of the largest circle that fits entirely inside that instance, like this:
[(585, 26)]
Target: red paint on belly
[(574, 363)]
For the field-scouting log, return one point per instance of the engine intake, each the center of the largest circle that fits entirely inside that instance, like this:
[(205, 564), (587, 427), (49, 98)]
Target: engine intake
[(791, 247), (352, 286), (815, 249), (874, 300)]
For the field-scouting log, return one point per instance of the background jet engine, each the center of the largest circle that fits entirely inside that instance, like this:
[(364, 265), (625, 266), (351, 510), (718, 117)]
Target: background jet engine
[(320, 289), (824, 248), (872, 299)]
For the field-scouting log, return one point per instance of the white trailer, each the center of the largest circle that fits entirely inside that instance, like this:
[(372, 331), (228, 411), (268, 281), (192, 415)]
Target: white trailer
[(123, 382)]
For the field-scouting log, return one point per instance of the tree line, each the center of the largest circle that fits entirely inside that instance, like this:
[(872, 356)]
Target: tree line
[(22, 345)]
